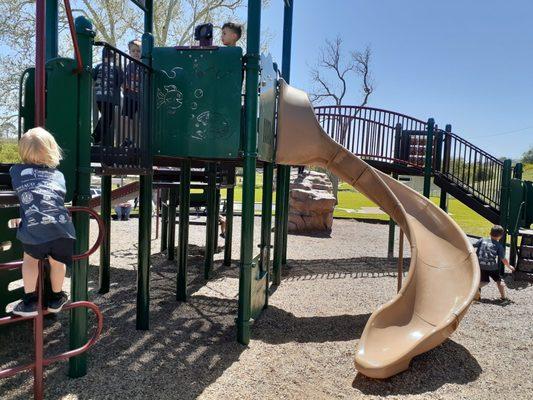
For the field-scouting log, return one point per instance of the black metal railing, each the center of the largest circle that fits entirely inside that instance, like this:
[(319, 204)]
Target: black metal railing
[(371, 133), (472, 169), (121, 112)]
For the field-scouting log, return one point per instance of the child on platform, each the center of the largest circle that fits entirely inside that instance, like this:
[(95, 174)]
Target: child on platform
[(489, 251), (231, 33), (45, 229)]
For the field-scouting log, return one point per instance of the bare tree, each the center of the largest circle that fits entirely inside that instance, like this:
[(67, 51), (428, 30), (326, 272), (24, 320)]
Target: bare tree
[(332, 76), (115, 21), (334, 72)]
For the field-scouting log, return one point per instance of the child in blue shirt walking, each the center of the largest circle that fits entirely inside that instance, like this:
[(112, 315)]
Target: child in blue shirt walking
[(45, 229)]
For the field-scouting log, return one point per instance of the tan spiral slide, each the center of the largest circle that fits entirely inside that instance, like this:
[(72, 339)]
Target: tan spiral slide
[(443, 274)]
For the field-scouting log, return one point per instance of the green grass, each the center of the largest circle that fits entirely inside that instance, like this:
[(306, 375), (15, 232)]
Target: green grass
[(467, 219)]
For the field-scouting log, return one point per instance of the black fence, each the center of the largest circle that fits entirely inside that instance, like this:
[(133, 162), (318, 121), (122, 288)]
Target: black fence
[(121, 113)]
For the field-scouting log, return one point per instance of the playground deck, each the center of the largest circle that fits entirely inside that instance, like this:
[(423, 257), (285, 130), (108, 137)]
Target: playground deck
[(302, 347)]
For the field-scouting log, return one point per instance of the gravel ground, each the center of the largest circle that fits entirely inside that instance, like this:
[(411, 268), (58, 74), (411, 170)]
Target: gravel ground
[(303, 345)]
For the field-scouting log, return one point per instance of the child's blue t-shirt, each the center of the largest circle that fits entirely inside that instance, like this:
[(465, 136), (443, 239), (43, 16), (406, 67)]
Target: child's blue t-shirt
[(488, 252), (41, 192)]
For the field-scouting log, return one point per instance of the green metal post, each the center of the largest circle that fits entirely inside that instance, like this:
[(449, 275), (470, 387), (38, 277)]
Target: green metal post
[(51, 29), (171, 236), (283, 171), (444, 165), (78, 316), (278, 227), (286, 73), (266, 218), (210, 228), (105, 247), (183, 238), (250, 156), (505, 192), (517, 174), (217, 218), (392, 231), (429, 157), (164, 219), (145, 202), (230, 195)]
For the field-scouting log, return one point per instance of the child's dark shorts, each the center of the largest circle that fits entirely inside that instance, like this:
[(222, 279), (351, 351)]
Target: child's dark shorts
[(60, 250), (495, 275)]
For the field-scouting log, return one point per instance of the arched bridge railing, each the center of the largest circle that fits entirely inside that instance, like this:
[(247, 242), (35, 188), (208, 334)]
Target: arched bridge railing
[(386, 136), (372, 133)]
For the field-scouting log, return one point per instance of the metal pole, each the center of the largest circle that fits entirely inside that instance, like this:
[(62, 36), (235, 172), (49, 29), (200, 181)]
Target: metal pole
[(157, 212), (392, 230), (105, 247), (286, 73), (429, 157), (171, 236), (444, 166), (283, 171), (164, 219), (210, 228), (505, 193), (266, 219), (400, 262), (230, 195), (82, 196), (183, 239), (217, 218), (38, 326), (145, 196), (40, 62), (250, 156), (51, 29)]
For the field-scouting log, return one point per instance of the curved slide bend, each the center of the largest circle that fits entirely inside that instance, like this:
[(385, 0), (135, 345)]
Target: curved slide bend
[(443, 275)]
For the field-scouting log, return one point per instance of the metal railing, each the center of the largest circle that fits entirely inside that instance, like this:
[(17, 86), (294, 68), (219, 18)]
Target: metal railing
[(472, 169), (121, 113), (370, 133), (37, 366)]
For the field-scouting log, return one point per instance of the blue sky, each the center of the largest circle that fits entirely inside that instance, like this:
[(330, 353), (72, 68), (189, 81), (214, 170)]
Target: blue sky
[(464, 62)]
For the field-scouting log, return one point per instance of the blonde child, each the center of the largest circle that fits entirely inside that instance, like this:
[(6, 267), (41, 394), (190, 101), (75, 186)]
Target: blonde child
[(45, 229)]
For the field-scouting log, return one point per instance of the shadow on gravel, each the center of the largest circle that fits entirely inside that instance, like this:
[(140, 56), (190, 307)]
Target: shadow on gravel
[(344, 268), (448, 363), (189, 345)]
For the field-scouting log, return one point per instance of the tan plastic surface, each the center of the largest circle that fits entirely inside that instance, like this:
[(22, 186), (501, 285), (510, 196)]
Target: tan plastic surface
[(443, 275)]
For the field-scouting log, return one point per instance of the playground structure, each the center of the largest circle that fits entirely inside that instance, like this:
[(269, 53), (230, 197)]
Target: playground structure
[(192, 130)]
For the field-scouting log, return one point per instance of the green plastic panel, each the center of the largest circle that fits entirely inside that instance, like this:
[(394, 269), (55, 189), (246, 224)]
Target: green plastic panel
[(197, 102), (529, 204), (267, 109), (13, 252), (62, 115), (259, 288)]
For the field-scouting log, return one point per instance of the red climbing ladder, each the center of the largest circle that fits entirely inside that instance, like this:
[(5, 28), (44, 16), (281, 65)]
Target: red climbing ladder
[(39, 360)]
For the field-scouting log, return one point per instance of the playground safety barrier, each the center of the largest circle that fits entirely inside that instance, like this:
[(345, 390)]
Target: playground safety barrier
[(40, 361)]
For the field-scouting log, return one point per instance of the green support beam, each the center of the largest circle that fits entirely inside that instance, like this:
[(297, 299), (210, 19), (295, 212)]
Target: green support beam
[(105, 247), (145, 197), (164, 219), (429, 157), (230, 195), (210, 228), (183, 236), (171, 235), (250, 157), (82, 196), (505, 192), (266, 219), (443, 164), (51, 29)]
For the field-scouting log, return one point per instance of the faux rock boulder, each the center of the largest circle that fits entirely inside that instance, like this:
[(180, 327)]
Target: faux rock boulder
[(311, 203)]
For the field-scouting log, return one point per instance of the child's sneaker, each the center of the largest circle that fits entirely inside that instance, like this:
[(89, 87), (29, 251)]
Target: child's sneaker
[(27, 307), (57, 301)]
